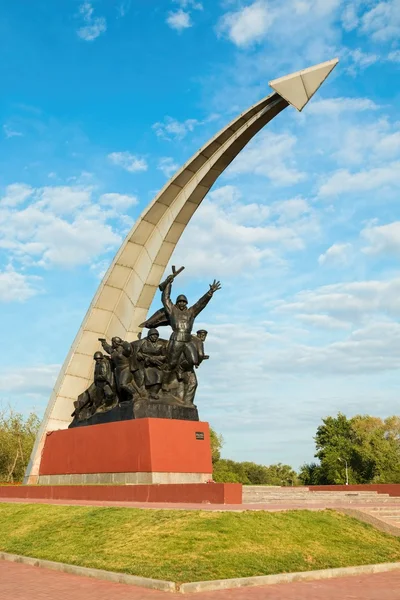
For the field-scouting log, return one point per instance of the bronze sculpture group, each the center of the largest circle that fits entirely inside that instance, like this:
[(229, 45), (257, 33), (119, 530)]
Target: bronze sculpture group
[(150, 370)]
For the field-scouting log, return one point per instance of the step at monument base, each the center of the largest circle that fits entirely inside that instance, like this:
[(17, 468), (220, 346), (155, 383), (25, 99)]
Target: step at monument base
[(178, 493), (123, 478)]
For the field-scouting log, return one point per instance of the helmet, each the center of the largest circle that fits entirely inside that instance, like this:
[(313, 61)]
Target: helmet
[(202, 331), (153, 332), (181, 297), (97, 355)]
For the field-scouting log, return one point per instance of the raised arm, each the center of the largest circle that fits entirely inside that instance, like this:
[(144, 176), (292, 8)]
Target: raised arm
[(166, 294), (106, 347), (204, 300)]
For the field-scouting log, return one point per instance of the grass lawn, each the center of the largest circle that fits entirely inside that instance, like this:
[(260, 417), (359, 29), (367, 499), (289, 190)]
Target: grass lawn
[(186, 546)]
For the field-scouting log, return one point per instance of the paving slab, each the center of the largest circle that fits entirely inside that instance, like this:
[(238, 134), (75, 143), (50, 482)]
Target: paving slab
[(22, 582)]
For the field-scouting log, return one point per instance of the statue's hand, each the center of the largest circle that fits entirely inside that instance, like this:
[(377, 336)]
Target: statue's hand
[(215, 286)]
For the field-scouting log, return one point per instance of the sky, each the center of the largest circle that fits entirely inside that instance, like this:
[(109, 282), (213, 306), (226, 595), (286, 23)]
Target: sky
[(102, 101)]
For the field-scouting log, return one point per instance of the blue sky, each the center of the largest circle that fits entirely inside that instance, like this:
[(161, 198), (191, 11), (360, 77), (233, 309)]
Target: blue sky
[(102, 101)]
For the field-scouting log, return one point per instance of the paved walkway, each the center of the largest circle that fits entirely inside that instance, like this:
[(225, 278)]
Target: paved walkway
[(271, 506), (21, 582)]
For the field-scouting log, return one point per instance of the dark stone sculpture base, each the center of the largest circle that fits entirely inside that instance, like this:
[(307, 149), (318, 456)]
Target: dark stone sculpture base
[(140, 409), (162, 410)]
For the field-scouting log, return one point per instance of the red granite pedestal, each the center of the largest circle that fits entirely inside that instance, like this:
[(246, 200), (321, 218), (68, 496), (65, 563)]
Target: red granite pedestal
[(153, 460), (136, 451)]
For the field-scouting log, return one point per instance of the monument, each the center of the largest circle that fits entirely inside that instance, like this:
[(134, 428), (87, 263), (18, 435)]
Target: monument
[(148, 377), (131, 396)]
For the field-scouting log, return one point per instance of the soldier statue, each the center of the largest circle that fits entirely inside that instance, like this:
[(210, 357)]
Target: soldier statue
[(152, 355), (120, 353), (101, 395), (181, 319), (150, 376), (187, 371)]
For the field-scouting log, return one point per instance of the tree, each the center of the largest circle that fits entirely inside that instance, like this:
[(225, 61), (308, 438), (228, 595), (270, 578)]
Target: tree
[(369, 445), (280, 474), (334, 444), (310, 474), (229, 471), (17, 436), (217, 441)]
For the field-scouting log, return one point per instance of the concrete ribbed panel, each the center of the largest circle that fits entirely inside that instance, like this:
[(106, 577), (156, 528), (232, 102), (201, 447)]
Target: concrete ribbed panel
[(128, 288)]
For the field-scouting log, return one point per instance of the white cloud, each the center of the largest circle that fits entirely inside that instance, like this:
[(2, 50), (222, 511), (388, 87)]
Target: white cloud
[(168, 166), (371, 143), (291, 210), (129, 162), (247, 25), (323, 322), (394, 56), (9, 132), (269, 155), (16, 193), (17, 287), (61, 225), (71, 244), (382, 22), (375, 348), (383, 239), (63, 200), (354, 302), (124, 8), (119, 202), (338, 254), (179, 20), (344, 182), (194, 4), (174, 129), (94, 26), (288, 24), (337, 106), (29, 380), (350, 18), (358, 60), (240, 238)]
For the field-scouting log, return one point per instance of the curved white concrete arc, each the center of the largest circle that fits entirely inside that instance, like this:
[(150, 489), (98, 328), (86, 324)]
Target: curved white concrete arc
[(127, 289)]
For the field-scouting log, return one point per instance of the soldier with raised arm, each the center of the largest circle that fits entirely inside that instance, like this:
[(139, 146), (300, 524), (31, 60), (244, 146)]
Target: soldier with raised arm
[(181, 318)]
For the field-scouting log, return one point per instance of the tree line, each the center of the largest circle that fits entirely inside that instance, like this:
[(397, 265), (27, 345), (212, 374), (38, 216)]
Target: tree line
[(17, 436), (363, 449), (248, 473)]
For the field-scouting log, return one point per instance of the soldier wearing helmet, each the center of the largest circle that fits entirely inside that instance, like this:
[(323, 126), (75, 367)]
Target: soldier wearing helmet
[(181, 318)]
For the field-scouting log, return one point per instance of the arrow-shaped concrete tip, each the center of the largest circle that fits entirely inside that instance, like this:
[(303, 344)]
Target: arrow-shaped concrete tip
[(298, 88)]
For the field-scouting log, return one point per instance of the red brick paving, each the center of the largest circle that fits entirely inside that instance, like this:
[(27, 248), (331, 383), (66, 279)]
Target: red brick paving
[(22, 582)]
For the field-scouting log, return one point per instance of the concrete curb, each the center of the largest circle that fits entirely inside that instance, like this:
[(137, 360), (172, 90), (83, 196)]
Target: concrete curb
[(226, 584), (200, 586), (154, 584)]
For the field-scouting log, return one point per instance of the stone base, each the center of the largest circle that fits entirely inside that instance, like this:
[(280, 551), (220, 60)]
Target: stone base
[(124, 478), (136, 446), (141, 409), (198, 493), (162, 410)]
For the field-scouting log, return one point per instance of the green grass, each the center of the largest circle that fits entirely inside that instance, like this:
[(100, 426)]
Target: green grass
[(192, 545)]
